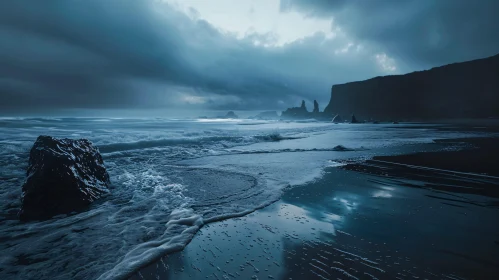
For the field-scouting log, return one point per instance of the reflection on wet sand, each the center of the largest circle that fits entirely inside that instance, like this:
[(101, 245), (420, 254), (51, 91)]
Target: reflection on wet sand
[(352, 225)]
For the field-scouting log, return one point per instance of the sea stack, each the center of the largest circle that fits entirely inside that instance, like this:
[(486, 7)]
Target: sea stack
[(296, 112), (63, 175), (316, 107), (354, 119)]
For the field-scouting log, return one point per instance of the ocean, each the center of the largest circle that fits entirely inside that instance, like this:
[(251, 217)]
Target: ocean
[(169, 178)]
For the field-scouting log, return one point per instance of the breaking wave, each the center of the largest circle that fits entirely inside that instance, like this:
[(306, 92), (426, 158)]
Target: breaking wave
[(156, 205), (225, 141)]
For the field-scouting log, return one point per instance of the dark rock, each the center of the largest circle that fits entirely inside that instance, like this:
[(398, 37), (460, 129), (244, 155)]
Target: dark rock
[(341, 148), (303, 105), (337, 119), (296, 112), (395, 122), (354, 119), (316, 107), (231, 115), (63, 176)]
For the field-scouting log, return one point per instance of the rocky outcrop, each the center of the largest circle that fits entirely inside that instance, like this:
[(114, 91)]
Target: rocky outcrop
[(316, 107), (63, 176), (354, 119), (461, 90), (303, 105), (341, 148), (231, 115), (297, 112)]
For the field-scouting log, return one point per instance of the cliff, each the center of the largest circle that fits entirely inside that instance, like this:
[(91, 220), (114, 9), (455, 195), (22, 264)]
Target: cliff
[(460, 90)]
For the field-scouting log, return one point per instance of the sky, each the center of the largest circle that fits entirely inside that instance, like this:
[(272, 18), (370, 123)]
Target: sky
[(223, 54)]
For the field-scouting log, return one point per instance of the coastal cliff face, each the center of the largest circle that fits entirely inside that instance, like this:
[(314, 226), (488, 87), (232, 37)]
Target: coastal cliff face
[(461, 90)]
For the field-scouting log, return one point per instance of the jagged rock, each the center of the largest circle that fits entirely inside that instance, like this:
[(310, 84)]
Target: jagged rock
[(337, 119), (63, 176), (301, 112), (303, 105), (316, 107), (354, 119), (231, 115), (341, 148), (296, 112)]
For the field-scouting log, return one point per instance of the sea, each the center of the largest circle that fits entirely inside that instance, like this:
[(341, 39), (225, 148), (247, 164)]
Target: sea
[(169, 177)]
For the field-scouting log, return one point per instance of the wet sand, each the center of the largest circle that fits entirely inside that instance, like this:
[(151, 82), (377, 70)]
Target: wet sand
[(423, 216)]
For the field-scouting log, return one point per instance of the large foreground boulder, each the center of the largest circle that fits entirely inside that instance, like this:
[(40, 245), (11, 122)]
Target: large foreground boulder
[(63, 176)]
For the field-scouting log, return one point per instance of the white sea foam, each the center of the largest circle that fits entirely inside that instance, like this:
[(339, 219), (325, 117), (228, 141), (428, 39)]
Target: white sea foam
[(159, 198)]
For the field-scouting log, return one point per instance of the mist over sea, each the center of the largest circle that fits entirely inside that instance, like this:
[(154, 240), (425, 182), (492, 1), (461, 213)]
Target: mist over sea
[(169, 178)]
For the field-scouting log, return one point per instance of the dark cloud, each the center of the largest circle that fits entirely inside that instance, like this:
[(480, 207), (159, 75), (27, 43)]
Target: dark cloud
[(419, 33), (119, 54), (146, 54)]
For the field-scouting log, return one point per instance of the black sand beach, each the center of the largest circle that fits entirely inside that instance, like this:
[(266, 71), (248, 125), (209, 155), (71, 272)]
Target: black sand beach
[(421, 216)]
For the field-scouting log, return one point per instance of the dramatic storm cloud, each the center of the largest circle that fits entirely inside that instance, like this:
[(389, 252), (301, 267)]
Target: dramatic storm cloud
[(256, 54), (418, 33)]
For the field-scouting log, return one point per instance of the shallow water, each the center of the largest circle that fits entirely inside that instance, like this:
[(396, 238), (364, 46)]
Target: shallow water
[(169, 178), (349, 226)]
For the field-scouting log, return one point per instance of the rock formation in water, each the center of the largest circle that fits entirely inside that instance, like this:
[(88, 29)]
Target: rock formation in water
[(63, 176), (460, 90), (341, 148), (231, 115), (267, 115), (303, 105), (316, 107), (337, 119), (297, 112), (354, 119)]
